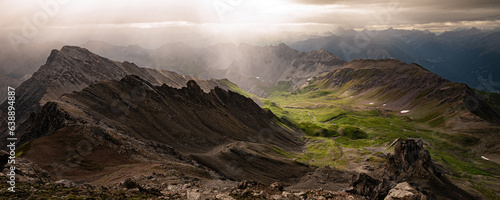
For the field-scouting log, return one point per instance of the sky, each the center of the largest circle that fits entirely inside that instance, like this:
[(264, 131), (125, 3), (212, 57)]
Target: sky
[(150, 22)]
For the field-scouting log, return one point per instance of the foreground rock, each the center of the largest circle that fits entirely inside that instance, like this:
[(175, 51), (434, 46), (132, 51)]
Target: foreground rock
[(404, 191), (137, 189)]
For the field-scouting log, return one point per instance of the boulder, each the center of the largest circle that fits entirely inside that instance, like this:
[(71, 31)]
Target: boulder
[(277, 186), (65, 183), (404, 191)]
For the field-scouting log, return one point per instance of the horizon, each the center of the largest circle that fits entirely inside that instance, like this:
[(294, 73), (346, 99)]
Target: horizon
[(276, 42)]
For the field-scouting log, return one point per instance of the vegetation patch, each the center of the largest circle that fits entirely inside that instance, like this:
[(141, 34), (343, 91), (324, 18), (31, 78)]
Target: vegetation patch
[(312, 129), (354, 133), (23, 149)]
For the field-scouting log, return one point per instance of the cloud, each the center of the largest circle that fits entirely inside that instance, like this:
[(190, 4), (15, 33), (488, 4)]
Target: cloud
[(103, 20), (364, 13)]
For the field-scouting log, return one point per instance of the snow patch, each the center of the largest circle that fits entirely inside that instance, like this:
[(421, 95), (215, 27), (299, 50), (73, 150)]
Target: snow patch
[(405, 111), (485, 158)]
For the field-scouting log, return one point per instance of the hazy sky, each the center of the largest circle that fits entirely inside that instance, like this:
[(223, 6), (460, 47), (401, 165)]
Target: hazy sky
[(151, 21)]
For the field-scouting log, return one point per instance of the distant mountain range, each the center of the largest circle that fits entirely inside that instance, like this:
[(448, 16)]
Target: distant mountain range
[(470, 56), (255, 69)]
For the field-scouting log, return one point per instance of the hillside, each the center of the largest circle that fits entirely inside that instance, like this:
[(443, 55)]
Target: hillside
[(6, 81), (399, 86), (360, 109)]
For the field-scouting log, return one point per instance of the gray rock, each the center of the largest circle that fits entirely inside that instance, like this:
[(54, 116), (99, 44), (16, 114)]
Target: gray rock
[(65, 183), (404, 191)]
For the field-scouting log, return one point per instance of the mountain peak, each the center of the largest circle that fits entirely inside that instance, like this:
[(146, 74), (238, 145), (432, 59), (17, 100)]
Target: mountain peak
[(74, 50), (283, 45), (68, 48), (52, 56), (71, 51)]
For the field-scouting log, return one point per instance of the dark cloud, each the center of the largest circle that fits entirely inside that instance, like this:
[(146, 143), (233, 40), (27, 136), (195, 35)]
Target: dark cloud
[(407, 12)]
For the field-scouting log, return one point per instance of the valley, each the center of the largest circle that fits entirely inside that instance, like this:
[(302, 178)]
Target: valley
[(328, 116)]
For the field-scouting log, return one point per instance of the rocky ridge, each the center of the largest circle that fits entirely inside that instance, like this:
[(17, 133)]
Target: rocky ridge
[(74, 68)]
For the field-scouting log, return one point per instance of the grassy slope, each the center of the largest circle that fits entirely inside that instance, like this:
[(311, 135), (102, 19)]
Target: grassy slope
[(328, 110), (325, 109)]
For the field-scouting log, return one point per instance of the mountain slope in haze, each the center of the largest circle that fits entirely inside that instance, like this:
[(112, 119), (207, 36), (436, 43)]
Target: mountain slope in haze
[(255, 69), (74, 68), (25, 59), (17, 65), (469, 56), (6, 81)]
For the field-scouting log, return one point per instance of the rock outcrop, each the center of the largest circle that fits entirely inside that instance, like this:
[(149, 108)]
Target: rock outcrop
[(403, 191), (409, 173)]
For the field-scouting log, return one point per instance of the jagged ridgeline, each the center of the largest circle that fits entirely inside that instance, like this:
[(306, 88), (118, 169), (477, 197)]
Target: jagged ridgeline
[(75, 68)]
